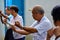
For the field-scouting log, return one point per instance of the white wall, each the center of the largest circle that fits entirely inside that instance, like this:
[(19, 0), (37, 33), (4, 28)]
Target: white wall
[(46, 4), (2, 28)]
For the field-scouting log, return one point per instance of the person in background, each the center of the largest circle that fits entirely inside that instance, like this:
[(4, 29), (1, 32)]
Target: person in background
[(8, 35), (14, 11), (56, 18), (39, 28)]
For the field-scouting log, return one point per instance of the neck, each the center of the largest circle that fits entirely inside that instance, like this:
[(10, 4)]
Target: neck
[(40, 18), (15, 14)]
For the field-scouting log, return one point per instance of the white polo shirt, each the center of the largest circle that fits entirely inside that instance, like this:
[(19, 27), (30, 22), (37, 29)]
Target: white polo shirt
[(12, 21), (42, 27)]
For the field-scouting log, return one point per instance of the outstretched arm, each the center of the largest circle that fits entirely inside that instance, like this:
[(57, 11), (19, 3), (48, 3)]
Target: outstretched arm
[(23, 32), (3, 15), (29, 29)]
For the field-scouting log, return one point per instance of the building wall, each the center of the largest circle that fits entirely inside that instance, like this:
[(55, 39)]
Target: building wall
[(2, 28), (46, 4)]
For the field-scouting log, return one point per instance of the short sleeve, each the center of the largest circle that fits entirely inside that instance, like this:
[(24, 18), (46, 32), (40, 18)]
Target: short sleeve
[(43, 27), (20, 20)]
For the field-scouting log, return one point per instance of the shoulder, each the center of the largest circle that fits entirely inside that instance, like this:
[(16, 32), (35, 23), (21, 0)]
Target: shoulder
[(19, 16), (47, 21), (46, 24)]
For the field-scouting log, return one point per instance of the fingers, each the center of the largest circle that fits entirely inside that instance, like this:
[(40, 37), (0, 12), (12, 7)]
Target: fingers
[(17, 23)]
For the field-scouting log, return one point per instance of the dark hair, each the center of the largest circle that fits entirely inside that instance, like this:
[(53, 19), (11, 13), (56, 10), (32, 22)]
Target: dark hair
[(56, 13), (15, 8)]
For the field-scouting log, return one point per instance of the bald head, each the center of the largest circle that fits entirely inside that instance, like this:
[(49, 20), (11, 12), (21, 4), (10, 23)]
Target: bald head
[(37, 13), (38, 9)]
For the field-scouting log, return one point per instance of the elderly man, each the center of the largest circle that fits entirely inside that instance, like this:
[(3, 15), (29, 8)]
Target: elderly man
[(56, 18), (39, 28)]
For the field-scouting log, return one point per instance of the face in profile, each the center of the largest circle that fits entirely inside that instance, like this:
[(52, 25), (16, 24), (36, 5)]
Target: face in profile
[(12, 11), (36, 15), (8, 11)]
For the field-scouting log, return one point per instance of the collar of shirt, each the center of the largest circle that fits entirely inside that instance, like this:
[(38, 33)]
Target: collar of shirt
[(36, 22), (15, 17), (43, 18)]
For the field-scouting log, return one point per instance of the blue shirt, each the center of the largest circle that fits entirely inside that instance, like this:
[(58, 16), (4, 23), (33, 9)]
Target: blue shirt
[(10, 16)]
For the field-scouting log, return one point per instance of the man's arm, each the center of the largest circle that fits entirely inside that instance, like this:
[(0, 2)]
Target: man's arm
[(3, 15), (29, 29), (50, 34), (23, 32)]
